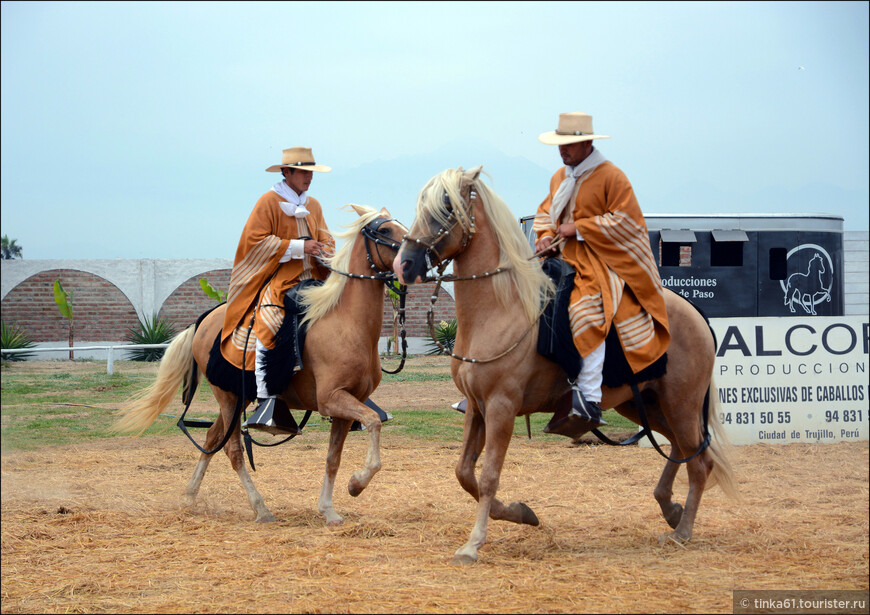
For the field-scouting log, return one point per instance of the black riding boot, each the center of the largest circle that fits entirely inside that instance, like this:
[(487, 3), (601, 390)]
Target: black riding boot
[(583, 416), (273, 415)]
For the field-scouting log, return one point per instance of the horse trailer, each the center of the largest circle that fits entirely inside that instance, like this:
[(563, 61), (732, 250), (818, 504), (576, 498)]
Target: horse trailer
[(749, 265)]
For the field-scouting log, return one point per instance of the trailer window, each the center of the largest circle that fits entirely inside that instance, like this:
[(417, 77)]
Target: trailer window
[(727, 248), (778, 263), (675, 247)]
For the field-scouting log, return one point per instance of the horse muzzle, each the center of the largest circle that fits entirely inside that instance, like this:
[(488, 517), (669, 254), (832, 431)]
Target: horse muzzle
[(411, 265)]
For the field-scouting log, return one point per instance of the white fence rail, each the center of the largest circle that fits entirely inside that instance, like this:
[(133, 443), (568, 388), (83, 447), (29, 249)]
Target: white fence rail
[(110, 351)]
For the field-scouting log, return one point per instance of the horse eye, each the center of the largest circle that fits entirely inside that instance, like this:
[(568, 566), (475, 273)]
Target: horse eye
[(445, 198)]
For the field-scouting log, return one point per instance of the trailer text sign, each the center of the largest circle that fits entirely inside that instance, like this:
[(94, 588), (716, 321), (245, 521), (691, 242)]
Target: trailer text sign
[(793, 379)]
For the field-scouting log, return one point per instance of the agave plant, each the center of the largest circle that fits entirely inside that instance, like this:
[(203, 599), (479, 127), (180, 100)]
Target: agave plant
[(14, 337), (445, 333), (152, 331)]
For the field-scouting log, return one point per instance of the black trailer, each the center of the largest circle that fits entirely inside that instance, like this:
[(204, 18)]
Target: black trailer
[(749, 265)]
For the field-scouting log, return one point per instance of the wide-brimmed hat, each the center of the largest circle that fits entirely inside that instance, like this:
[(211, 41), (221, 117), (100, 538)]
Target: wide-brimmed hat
[(573, 128), (298, 158)]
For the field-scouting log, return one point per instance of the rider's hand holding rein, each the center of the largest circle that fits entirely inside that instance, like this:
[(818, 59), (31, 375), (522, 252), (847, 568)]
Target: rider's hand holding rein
[(315, 248)]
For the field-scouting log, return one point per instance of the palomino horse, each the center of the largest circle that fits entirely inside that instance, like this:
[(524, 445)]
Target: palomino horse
[(341, 365), (460, 218)]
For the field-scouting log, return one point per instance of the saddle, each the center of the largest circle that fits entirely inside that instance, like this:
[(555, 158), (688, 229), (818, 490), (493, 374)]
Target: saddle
[(556, 341), (281, 362)]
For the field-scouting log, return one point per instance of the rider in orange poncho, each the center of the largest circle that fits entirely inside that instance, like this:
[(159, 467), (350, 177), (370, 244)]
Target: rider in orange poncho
[(592, 206), (284, 233)]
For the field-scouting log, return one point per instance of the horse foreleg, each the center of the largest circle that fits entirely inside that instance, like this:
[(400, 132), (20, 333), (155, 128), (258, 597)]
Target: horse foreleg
[(343, 405), (474, 435), (337, 435), (498, 435), (473, 438), (664, 492)]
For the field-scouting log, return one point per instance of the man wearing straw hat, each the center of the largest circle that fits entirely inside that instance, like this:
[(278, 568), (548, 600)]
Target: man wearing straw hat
[(284, 234), (592, 207)]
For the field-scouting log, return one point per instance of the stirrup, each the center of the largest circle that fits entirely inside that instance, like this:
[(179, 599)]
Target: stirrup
[(273, 416), (582, 416)]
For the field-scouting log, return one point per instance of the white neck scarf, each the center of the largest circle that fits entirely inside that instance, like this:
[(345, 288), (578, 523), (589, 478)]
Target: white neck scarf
[(295, 205), (574, 176)]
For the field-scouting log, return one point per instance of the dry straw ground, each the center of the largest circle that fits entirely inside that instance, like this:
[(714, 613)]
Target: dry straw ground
[(101, 528)]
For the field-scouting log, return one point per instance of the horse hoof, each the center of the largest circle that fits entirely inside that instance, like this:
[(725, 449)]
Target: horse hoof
[(527, 515), (335, 522), (675, 515), (266, 518), (463, 559), (673, 538), (354, 487)]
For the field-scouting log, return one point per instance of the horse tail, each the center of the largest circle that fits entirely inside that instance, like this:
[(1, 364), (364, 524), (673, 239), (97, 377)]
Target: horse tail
[(141, 410), (720, 448)]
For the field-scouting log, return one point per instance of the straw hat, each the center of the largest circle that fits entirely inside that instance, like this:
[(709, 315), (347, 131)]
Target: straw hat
[(298, 158), (573, 128)]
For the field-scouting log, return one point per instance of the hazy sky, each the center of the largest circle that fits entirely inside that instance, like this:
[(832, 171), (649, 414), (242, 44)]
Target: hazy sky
[(142, 130)]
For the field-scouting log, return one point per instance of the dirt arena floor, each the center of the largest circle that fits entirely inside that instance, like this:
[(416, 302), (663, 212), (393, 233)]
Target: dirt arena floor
[(100, 528)]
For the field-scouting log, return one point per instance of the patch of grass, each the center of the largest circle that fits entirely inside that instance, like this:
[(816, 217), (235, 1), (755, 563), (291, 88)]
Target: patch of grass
[(447, 425), (71, 404), (416, 376), (74, 401)]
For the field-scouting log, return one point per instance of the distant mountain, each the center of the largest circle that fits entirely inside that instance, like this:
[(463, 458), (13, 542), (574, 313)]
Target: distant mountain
[(395, 183), (523, 184)]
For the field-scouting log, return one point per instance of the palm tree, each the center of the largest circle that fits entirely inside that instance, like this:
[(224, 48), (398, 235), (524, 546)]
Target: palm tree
[(10, 248)]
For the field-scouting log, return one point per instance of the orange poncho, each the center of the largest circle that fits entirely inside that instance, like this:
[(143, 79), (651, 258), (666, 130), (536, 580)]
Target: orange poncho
[(617, 281), (264, 241)]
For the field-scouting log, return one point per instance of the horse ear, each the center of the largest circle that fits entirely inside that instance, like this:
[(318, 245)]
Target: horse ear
[(472, 174), (361, 211), (385, 213)]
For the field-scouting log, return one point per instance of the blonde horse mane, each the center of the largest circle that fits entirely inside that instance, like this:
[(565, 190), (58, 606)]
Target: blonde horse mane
[(319, 300), (524, 274)]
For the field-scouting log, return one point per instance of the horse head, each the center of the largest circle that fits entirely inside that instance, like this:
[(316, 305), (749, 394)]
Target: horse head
[(383, 237), (443, 226)]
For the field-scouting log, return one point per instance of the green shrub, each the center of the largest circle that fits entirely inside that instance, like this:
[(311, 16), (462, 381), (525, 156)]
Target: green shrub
[(152, 331), (445, 333), (14, 337)]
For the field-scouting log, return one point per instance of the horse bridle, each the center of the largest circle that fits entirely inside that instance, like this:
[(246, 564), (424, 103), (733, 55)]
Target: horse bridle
[(373, 235), (430, 247)]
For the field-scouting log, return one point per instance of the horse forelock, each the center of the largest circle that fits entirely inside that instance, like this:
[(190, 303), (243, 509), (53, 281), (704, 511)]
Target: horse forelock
[(430, 203), (319, 300)]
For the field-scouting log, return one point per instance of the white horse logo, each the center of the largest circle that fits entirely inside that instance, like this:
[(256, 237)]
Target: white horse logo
[(809, 289)]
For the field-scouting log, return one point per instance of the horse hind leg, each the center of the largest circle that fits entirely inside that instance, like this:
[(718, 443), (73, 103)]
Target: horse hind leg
[(664, 492), (233, 449)]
